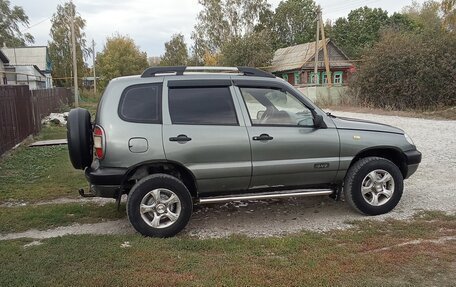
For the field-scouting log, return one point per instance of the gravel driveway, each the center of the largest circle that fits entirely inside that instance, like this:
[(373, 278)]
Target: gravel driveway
[(432, 187)]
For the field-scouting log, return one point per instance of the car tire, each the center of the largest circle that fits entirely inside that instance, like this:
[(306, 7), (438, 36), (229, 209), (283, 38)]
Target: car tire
[(373, 186), (79, 137), (159, 205)]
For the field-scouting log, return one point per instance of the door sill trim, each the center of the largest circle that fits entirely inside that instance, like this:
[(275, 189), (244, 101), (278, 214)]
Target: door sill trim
[(266, 195)]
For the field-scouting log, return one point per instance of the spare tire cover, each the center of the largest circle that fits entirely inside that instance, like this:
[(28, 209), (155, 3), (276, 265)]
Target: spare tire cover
[(79, 136)]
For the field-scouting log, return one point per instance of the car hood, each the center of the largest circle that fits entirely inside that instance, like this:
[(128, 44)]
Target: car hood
[(363, 125)]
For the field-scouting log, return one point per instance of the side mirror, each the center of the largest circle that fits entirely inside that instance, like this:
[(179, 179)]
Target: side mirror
[(260, 115), (318, 121)]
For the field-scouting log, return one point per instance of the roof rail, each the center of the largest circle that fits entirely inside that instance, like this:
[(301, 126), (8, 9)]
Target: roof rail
[(152, 71), (179, 70)]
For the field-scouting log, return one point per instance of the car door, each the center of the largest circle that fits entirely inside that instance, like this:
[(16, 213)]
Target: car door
[(287, 148), (204, 131)]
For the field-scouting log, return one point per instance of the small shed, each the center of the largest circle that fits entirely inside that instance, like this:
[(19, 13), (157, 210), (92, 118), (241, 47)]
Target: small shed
[(296, 64)]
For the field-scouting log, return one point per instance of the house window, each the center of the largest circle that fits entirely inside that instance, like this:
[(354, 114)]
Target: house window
[(338, 78), (313, 79), (297, 78), (324, 78), (285, 77)]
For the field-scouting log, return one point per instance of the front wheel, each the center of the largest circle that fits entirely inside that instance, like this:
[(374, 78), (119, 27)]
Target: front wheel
[(373, 186), (159, 205)]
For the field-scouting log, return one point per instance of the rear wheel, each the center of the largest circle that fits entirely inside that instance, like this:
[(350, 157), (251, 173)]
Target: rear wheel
[(79, 136), (373, 186), (159, 205)]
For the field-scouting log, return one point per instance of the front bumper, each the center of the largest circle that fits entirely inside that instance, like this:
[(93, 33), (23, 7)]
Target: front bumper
[(413, 159)]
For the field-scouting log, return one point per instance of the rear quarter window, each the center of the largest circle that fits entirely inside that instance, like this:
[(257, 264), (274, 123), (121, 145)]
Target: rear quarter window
[(141, 104)]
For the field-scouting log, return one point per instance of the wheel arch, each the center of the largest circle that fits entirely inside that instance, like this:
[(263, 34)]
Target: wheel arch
[(140, 170), (391, 153)]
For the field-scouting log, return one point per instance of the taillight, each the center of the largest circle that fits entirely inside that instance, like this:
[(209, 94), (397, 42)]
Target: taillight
[(98, 141)]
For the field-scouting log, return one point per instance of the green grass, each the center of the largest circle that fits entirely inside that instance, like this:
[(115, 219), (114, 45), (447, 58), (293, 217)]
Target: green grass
[(90, 104), (52, 132), (340, 258), (351, 257), (22, 218), (40, 173)]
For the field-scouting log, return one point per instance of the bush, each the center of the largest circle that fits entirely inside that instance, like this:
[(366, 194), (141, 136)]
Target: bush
[(408, 71)]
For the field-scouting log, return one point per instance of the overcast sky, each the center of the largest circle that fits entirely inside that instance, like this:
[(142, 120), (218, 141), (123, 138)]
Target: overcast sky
[(152, 22)]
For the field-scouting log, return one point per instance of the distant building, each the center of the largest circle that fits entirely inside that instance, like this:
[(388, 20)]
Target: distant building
[(154, 61), (29, 75), (36, 58), (88, 82), (296, 64)]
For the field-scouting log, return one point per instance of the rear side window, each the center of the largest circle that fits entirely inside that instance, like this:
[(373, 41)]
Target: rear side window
[(202, 106), (141, 104)]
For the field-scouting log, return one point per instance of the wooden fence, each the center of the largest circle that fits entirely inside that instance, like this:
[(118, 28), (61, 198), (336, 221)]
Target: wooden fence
[(22, 110)]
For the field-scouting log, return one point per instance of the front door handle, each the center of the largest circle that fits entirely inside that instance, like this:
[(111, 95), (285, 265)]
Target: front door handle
[(263, 137), (180, 138)]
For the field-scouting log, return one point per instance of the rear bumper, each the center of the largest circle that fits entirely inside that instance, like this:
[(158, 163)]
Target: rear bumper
[(413, 158), (105, 182), (105, 176)]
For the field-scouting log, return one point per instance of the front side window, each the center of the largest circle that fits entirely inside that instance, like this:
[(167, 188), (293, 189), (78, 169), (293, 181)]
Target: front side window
[(202, 106), (141, 103), (269, 106)]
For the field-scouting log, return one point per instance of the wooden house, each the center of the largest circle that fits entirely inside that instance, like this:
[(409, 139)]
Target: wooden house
[(296, 64)]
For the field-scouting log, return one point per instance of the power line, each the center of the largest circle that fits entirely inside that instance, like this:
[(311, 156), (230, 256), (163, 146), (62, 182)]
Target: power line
[(350, 6), (34, 25), (42, 21)]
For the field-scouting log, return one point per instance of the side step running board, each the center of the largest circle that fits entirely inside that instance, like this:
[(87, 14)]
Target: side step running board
[(267, 195)]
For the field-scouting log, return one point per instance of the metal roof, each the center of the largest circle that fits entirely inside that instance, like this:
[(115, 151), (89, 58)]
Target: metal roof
[(294, 57), (35, 55)]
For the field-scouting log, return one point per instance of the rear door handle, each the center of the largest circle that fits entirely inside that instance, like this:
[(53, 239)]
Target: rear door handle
[(263, 137), (180, 138)]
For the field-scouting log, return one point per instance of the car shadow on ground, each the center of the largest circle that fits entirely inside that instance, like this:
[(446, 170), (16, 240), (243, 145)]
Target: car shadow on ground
[(269, 217)]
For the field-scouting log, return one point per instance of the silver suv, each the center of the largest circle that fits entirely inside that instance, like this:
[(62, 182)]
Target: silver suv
[(177, 136)]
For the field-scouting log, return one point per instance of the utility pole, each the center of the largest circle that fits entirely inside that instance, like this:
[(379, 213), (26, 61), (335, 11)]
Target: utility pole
[(75, 66), (316, 80), (325, 52), (93, 68)]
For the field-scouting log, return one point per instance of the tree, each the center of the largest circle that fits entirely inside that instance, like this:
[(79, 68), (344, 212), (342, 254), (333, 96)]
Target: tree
[(449, 14), (425, 16), (359, 30), (408, 71), (254, 49), (120, 57), (294, 22), (11, 19), (223, 20), (60, 48), (176, 53)]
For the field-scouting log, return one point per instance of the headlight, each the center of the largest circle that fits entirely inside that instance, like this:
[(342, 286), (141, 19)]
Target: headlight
[(409, 139)]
